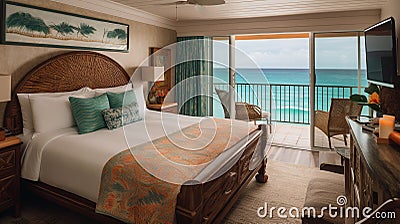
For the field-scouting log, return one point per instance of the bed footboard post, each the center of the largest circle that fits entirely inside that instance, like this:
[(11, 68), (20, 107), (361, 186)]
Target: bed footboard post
[(190, 204), (262, 176)]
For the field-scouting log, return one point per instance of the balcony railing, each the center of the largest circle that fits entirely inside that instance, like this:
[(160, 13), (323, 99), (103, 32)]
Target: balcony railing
[(289, 102)]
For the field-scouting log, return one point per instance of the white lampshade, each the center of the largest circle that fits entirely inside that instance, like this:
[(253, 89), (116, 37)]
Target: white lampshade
[(152, 74), (5, 88)]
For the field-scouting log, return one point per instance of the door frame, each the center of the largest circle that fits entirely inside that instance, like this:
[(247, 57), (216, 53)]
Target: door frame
[(313, 75)]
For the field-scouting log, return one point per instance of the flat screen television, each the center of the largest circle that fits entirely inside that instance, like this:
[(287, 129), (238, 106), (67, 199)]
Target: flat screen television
[(380, 46)]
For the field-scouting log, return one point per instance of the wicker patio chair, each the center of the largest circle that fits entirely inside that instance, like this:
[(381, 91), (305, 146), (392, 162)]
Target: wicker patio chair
[(250, 112), (244, 111), (334, 122)]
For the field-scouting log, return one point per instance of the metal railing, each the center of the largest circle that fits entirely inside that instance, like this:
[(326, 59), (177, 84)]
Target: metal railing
[(288, 102)]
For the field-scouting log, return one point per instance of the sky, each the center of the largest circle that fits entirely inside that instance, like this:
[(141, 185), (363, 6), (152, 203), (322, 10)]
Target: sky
[(331, 53)]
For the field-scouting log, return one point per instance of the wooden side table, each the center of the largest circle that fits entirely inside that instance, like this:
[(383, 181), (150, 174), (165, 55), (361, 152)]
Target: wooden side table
[(10, 174), (165, 107)]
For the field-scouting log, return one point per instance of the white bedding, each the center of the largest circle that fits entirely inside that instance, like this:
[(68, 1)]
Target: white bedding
[(74, 162)]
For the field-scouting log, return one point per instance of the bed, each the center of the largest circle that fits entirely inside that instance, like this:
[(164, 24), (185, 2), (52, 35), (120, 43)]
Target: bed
[(207, 199)]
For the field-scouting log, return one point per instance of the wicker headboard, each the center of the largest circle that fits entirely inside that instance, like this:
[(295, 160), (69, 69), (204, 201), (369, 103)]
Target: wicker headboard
[(65, 72)]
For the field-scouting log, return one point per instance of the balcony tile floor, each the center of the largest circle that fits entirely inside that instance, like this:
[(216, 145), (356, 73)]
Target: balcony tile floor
[(298, 136)]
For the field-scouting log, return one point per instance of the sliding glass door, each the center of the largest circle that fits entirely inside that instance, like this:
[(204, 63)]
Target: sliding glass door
[(304, 73), (339, 72)]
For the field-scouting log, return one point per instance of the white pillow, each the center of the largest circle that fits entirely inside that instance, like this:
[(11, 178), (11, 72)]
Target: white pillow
[(138, 89), (118, 89), (51, 113), (26, 109)]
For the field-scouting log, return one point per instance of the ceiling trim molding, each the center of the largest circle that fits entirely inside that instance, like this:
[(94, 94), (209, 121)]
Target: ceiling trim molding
[(331, 21), (123, 11)]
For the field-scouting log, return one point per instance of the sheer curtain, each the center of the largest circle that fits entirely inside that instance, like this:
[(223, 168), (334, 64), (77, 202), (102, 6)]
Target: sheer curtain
[(193, 75)]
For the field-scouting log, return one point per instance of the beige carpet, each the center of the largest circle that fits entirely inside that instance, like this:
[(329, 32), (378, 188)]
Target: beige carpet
[(286, 187)]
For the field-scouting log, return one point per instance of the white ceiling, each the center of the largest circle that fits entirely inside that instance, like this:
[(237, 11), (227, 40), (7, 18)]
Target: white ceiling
[(249, 8)]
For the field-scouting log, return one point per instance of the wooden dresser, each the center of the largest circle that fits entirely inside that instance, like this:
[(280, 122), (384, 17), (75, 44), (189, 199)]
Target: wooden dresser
[(10, 174), (373, 173)]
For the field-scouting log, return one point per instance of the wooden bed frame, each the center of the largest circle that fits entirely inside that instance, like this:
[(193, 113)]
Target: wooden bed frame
[(199, 203)]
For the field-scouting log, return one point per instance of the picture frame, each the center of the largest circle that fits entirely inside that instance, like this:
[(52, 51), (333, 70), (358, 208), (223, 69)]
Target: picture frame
[(29, 25)]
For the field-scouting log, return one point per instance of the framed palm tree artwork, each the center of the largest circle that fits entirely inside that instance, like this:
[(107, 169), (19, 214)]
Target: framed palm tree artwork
[(23, 24)]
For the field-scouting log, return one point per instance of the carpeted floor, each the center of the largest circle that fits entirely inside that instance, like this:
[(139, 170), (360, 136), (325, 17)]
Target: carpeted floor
[(286, 187)]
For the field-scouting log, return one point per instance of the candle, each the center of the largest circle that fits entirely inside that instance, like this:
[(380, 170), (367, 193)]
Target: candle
[(390, 117), (386, 126)]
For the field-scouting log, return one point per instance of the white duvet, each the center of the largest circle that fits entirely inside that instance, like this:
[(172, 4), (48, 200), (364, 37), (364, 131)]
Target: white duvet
[(74, 162)]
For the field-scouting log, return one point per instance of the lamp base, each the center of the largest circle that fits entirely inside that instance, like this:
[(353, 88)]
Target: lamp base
[(2, 134)]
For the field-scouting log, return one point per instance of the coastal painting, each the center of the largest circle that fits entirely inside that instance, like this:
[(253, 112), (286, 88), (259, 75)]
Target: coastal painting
[(31, 25)]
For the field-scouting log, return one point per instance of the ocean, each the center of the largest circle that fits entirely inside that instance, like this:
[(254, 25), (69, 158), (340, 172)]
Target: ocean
[(287, 96)]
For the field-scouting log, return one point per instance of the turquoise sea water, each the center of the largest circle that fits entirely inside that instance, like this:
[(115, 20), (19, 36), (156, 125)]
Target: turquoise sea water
[(290, 92), (337, 77)]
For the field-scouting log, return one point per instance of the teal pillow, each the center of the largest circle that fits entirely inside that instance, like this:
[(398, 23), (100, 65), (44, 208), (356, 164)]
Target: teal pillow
[(87, 112), (121, 99), (118, 117)]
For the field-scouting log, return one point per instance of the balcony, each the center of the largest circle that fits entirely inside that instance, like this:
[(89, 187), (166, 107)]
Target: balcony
[(290, 110), (289, 102), (298, 136)]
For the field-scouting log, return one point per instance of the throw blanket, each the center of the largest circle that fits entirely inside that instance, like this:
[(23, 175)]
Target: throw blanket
[(141, 185)]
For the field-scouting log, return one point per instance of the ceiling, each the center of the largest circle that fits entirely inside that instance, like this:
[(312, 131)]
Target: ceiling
[(248, 8)]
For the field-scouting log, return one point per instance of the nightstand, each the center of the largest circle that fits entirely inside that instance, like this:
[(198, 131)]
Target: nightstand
[(10, 174), (165, 107)]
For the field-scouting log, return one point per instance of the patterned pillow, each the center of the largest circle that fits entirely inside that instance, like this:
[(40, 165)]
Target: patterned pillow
[(118, 117), (121, 99), (87, 112)]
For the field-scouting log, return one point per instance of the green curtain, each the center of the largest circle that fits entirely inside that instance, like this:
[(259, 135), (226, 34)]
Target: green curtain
[(193, 75)]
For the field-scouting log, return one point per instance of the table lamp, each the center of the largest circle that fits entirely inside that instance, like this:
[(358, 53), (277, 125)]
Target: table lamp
[(5, 95), (151, 75)]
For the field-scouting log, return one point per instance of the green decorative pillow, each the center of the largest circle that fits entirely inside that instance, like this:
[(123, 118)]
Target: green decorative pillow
[(87, 112), (121, 99), (118, 117)]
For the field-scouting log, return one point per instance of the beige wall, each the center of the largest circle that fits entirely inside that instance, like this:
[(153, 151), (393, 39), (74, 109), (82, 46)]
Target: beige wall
[(18, 60)]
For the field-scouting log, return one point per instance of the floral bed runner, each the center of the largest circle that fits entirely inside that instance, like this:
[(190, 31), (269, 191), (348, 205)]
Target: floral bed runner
[(141, 184)]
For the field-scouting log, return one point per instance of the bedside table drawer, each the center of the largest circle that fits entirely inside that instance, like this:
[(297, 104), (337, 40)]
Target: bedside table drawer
[(7, 161), (7, 189), (10, 150)]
